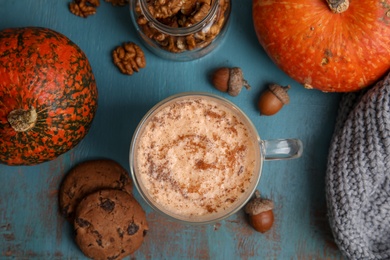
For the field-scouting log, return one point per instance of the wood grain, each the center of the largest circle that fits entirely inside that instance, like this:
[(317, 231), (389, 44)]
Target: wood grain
[(30, 224)]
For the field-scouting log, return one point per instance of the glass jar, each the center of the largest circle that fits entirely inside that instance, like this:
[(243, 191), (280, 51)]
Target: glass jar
[(181, 30)]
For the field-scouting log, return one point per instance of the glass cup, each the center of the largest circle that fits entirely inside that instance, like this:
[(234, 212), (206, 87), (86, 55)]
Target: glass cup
[(196, 157)]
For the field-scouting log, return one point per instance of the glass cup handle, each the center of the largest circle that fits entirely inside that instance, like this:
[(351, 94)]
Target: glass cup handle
[(281, 149)]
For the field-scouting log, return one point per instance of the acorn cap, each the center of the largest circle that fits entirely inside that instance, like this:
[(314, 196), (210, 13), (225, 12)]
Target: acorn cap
[(280, 92), (237, 81), (258, 205)]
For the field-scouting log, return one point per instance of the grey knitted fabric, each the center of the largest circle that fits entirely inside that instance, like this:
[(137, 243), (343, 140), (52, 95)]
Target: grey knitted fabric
[(358, 174)]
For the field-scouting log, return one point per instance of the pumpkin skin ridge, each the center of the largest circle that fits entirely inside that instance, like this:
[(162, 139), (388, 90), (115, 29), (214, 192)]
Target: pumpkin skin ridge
[(298, 35), (57, 80)]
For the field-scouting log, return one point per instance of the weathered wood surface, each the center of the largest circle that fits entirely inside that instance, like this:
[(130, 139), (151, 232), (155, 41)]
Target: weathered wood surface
[(30, 224)]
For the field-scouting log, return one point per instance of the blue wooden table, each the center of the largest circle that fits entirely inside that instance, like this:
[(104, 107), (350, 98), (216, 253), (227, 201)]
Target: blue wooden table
[(30, 224)]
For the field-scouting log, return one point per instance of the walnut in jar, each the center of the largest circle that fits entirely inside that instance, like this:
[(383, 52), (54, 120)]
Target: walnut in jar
[(180, 26), (164, 8)]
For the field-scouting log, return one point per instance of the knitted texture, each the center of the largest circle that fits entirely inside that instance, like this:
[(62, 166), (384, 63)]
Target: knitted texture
[(358, 174)]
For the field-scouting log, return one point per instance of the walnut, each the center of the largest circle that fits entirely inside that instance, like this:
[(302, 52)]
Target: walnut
[(170, 44), (148, 31), (191, 42), (141, 20), (164, 8), (159, 36), (182, 13), (129, 58), (198, 14), (84, 8), (118, 2), (188, 6)]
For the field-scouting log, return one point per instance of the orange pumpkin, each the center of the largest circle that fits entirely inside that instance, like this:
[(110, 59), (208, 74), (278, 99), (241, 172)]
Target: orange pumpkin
[(330, 45), (48, 95)]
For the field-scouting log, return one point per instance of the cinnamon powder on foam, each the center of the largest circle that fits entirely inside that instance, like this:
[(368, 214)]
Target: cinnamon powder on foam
[(195, 157)]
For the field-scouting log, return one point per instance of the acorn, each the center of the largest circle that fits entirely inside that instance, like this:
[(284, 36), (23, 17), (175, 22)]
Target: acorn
[(260, 211), (273, 99), (230, 80)]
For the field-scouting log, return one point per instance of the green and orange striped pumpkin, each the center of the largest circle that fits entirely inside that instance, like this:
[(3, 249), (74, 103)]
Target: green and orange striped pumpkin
[(48, 95)]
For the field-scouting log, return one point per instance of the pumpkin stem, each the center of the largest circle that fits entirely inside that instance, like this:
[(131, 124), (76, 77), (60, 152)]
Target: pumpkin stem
[(338, 6), (22, 120)]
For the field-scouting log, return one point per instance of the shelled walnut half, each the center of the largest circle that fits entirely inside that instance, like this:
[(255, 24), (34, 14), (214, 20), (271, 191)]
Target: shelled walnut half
[(84, 8), (164, 9), (129, 58)]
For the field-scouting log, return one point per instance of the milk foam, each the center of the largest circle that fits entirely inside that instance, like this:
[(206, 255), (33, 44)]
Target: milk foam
[(195, 157)]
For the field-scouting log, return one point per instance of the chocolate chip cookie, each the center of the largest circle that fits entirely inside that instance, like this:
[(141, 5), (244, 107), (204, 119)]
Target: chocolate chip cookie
[(88, 177), (109, 224)]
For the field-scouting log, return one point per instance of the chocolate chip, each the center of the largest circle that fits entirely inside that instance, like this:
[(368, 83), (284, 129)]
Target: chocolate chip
[(132, 229), (99, 242), (120, 232), (99, 238), (107, 204), (113, 257), (82, 223), (145, 233), (123, 181)]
